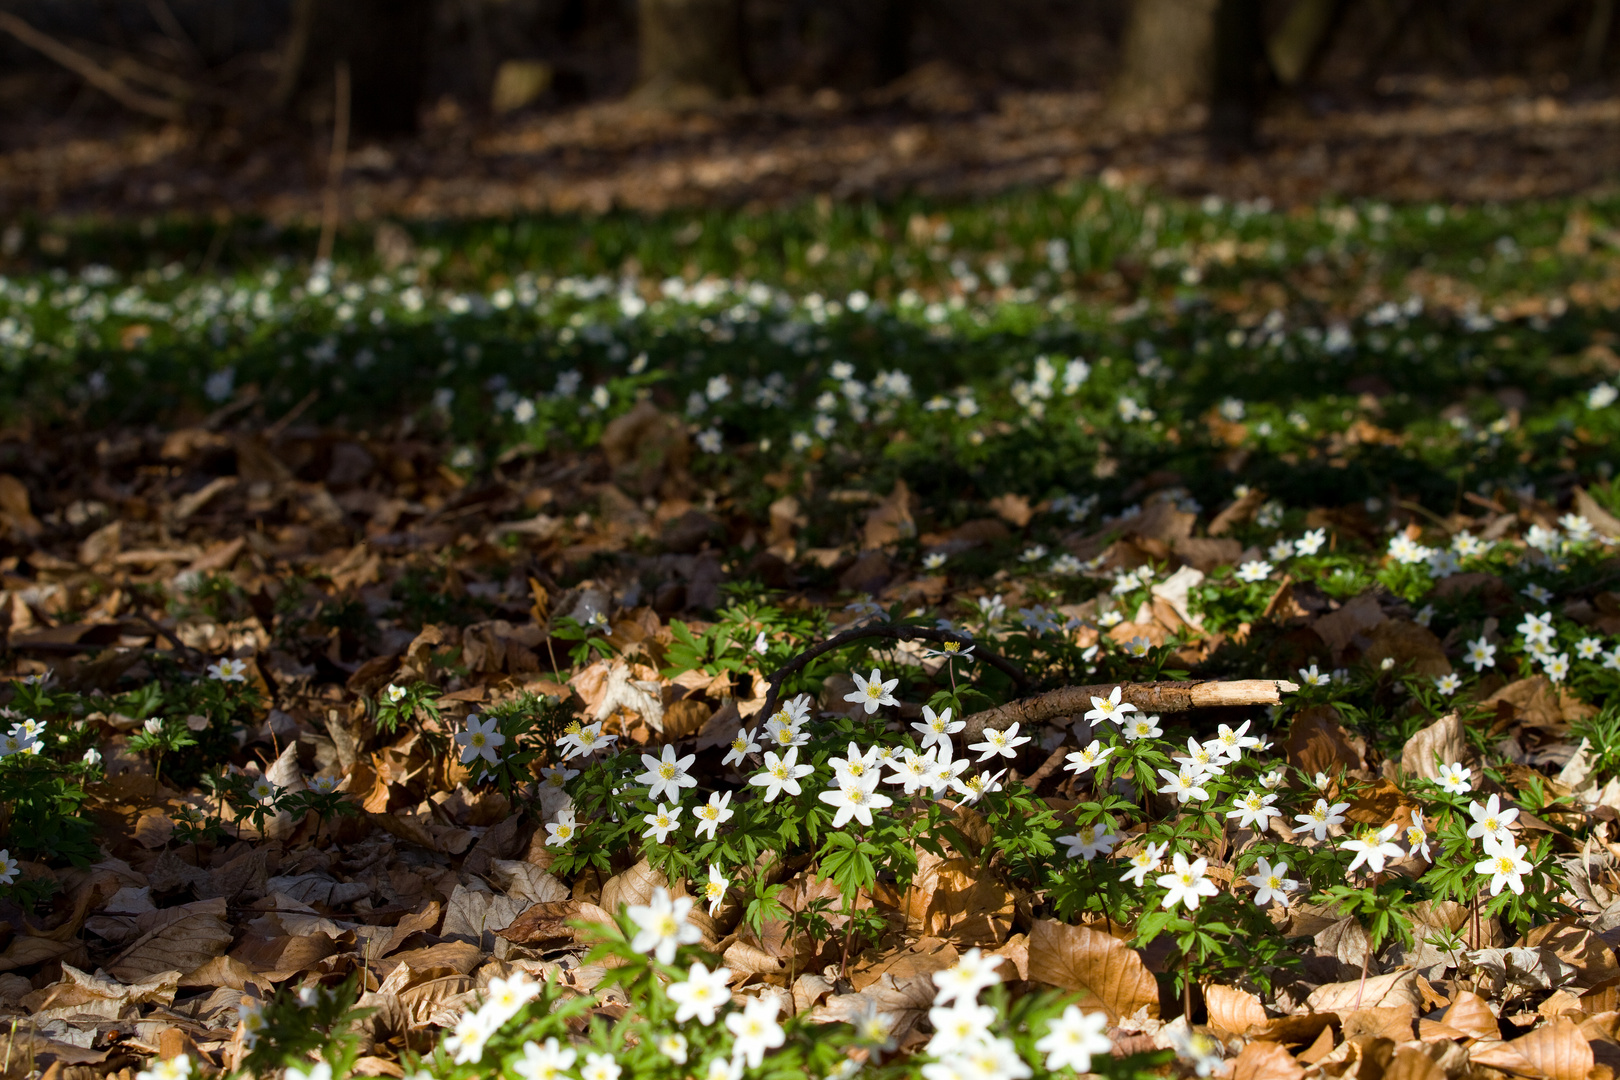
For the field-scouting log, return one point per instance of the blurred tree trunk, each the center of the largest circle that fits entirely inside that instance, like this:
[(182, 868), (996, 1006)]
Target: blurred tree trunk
[(1303, 37), (1168, 58), (385, 44), (895, 18), (1240, 78), (691, 52)]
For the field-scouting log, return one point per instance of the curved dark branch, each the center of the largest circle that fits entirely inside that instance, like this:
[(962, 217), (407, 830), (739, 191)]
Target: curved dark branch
[(893, 632)]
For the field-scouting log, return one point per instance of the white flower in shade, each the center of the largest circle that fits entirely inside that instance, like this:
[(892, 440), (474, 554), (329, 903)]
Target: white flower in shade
[(1578, 527), (152, 726), (394, 694), (781, 774), (263, 791), (1142, 726), (934, 560), (1425, 615), (673, 1045), (1110, 708), (1481, 654), (92, 757), (1311, 542), (1538, 628), (228, 670), (853, 801), (700, 994), (1254, 810), (945, 770), (1088, 842), (1082, 761), (874, 1029), (740, 748), (479, 739), (176, 1068), (1188, 882), (1137, 647), (1000, 743), (1491, 821), (714, 890), (1280, 550), (1588, 648), (1145, 862), (1403, 549), (661, 822), (973, 972), (1448, 684), (1270, 883), (318, 1071), (1556, 667), (1186, 784), (1319, 818), (1417, 838), (714, 813), (563, 830), (1272, 780), (544, 1061), (937, 728), (1453, 779), (1253, 571), (784, 733), (755, 1030), (1071, 1040), (1468, 545), (662, 925), (1538, 593), (1505, 864), (1373, 849), (667, 775), (600, 1067), (1312, 677), (873, 692)]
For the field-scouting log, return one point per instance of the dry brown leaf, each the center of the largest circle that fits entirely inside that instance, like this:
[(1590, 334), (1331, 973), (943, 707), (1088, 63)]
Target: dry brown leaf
[(1470, 1014), (955, 899), (544, 924), (1557, 1051), (906, 1000), (183, 945), (1266, 1061), (1441, 743), (1410, 1063), (1317, 742), (1393, 1022), (890, 521), (1232, 1010), (1594, 962), (1407, 643), (1379, 992), (634, 886), (922, 957), (1358, 616), (1538, 703), (1098, 966)]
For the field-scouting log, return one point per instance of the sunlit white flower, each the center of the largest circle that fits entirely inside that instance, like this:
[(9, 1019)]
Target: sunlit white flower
[(1088, 842), (911, 770), (1453, 779), (176, 1068), (563, 830), (667, 775), (600, 1067), (1373, 849), (662, 925), (1254, 810), (1230, 743), (714, 813), (1073, 1039), (1320, 817), (1448, 684), (1312, 677), (873, 692), (1556, 667), (714, 890), (1270, 883), (1505, 864), (1110, 708), (544, 1061), (1142, 726), (1311, 542), (466, 1042), (1253, 571), (228, 670), (958, 1025), (1491, 821), (755, 1030), (700, 995), (740, 748), (1081, 761), (1000, 743), (1186, 784), (854, 801), (973, 972), (673, 1046), (1187, 882), (1481, 654), (977, 786), (661, 822), (1145, 862), (1417, 838), (1588, 648), (1538, 628), (781, 774)]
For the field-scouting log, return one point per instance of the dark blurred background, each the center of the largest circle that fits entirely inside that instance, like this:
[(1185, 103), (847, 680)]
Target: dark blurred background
[(209, 84)]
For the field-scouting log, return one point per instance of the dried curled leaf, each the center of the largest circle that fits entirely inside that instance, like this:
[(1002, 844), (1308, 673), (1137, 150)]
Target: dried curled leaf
[(1233, 1010), (1441, 743), (1100, 967), (1266, 1061)]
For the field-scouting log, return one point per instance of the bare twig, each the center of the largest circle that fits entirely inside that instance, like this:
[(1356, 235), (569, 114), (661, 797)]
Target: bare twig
[(90, 71), (1159, 697), (336, 164), (893, 632)]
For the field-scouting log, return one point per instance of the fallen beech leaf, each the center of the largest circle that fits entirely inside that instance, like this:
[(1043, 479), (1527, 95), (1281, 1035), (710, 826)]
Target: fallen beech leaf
[(1358, 616), (1232, 1010), (1317, 742), (1098, 966), (953, 898), (1393, 1022), (1410, 1063), (1379, 992), (1266, 1061), (906, 1000), (544, 924), (1441, 743), (1407, 643), (1470, 1014), (634, 886), (183, 945), (1557, 1051)]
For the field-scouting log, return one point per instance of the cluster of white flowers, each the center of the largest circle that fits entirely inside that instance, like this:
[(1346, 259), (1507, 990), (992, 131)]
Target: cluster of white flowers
[(25, 736)]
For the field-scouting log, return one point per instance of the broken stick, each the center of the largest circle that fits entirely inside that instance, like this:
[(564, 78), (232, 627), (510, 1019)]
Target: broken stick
[(1156, 697)]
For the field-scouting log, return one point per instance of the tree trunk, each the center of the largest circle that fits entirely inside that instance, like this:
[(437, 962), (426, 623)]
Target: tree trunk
[(384, 42), (1302, 38), (1241, 77), (691, 52), (1168, 58)]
